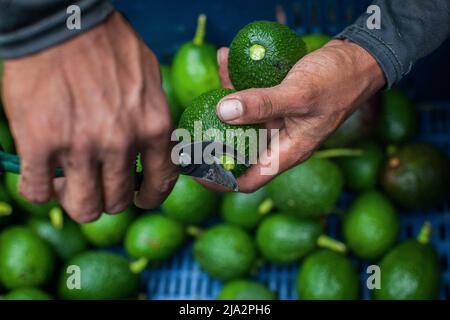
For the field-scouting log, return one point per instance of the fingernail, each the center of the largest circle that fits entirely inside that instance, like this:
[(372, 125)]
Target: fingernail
[(219, 55), (230, 109)]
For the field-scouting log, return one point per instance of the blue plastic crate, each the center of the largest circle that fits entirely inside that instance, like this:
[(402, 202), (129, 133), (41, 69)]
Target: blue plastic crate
[(165, 25)]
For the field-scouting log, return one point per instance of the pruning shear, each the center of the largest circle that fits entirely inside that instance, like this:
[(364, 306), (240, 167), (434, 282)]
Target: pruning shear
[(200, 159)]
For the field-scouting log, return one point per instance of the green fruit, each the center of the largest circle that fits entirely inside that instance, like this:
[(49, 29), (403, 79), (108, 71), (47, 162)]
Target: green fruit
[(410, 271), (104, 276), (25, 259), (202, 110), (417, 176), (27, 294), (359, 127), (398, 119), (172, 100), (190, 202), (109, 230), (309, 189), (283, 239), (6, 139), (6, 209), (371, 226), (245, 290), (194, 68), (245, 209), (42, 210), (315, 41), (262, 53), (225, 252), (154, 237), (362, 173), (65, 242), (327, 275)]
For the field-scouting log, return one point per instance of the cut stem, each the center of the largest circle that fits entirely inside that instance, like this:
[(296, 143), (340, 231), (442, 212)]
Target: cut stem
[(332, 244), (56, 217), (338, 152), (193, 231), (424, 234), (266, 206), (200, 32), (139, 265), (5, 209)]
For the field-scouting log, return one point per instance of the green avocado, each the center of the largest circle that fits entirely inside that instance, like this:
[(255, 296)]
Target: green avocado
[(202, 112), (398, 119), (154, 237), (245, 290), (172, 100), (194, 67), (410, 271), (190, 202), (284, 239), (27, 294), (245, 209), (42, 210), (309, 189), (66, 241), (362, 173), (327, 275), (102, 276), (417, 176), (315, 41), (371, 226), (25, 259), (262, 53), (6, 209), (109, 229), (225, 252)]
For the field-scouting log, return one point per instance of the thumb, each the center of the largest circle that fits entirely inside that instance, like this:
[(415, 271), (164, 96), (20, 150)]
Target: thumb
[(255, 105)]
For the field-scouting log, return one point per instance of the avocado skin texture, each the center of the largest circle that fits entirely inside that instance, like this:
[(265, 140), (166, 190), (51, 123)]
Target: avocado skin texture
[(172, 100), (315, 41), (104, 276), (25, 259), (65, 242), (27, 294), (283, 48), (398, 118), (225, 252), (327, 275), (190, 202), (371, 226), (284, 239), (242, 209), (203, 108), (309, 189), (109, 229), (194, 71), (417, 176), (410, 271), (155, 237), (245, 290), (362, 173)]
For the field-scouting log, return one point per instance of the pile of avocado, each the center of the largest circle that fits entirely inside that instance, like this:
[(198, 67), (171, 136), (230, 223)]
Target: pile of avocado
[(45, 255)]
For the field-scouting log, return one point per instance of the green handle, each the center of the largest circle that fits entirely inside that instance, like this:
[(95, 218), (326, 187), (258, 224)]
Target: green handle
[(11, 163)]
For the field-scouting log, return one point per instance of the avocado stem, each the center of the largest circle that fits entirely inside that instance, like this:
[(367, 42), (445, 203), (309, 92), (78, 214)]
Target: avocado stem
[(266, 206), (424, 234), (5, 209), (56, 217), (139, 265), (332, 244), (338, 152), (200, 32), (193, 231)]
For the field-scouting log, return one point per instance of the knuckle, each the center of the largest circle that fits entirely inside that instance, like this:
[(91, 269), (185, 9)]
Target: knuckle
[(159, 129)]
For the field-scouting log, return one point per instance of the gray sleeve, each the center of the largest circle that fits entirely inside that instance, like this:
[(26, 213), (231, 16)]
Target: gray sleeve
[(409, 30), (28, 26)]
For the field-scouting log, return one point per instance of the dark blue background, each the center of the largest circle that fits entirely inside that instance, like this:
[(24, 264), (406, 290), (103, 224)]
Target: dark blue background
[(165, 25)]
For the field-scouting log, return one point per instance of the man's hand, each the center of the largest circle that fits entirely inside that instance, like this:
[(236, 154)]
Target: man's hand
[(317, 95), (89, 105)]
